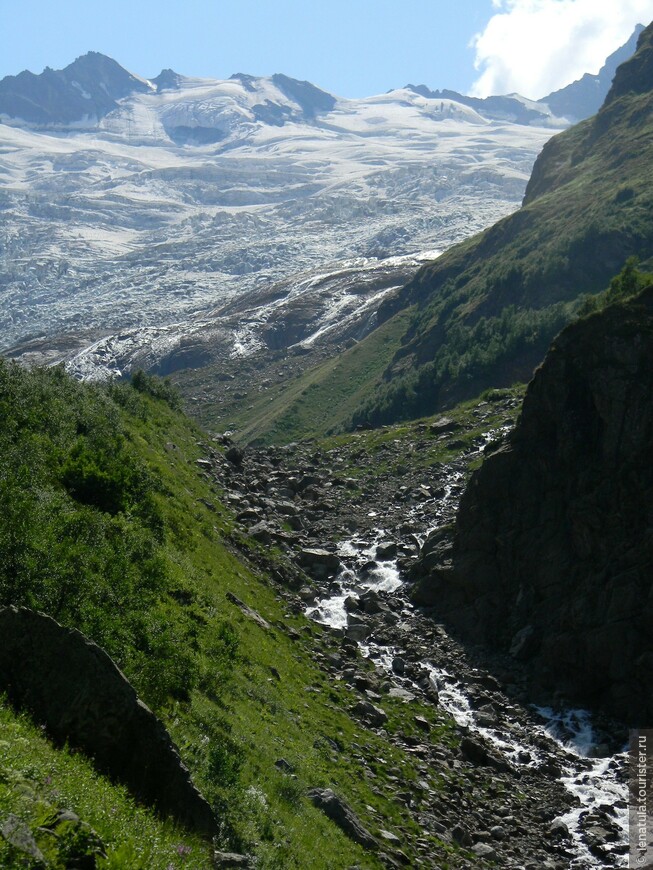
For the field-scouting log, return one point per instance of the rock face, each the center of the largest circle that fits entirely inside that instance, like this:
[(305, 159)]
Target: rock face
[(553, 551), (72, 686)]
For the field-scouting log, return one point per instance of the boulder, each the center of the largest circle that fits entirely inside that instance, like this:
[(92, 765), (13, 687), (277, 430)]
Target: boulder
[(342, 814), (235, 455), (371, 602), (558, 830), (357, 630), (374, 715), (17, 833), (386, 550), (73, 687), (249, 612), (319, 563), (231, 859), (444, 424), (474, 750), (261, 532), (484, 851)]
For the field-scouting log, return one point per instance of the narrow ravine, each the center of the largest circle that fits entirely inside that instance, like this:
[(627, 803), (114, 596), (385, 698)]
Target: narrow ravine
[(559, 793)]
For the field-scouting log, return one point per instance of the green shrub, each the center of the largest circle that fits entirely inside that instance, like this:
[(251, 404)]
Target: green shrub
[(628, 283), (158, 388), (81, 531)]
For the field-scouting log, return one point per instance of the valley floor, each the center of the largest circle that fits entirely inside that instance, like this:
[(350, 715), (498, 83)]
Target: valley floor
[(330, 723), (517, 785)]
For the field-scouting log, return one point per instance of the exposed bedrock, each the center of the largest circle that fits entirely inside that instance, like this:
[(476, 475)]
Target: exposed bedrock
[(553, 551), (75, 689)]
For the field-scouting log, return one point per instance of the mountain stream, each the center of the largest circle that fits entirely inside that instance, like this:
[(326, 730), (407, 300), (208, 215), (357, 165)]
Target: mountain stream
[(563, 743)]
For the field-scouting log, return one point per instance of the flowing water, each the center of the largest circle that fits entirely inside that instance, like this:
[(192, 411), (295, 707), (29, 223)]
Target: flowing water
[(527, 737), (598, 783)]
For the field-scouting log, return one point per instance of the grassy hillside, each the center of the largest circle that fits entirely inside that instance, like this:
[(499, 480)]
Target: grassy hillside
[(37, 781), (486, 311), (484, 314), (306, 404), (110, 525)]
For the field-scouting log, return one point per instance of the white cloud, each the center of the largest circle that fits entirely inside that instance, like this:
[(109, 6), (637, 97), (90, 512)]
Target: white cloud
[(533, 47)]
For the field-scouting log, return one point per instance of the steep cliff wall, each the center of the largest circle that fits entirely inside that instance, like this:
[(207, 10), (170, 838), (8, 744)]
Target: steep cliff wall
[(553, 554)]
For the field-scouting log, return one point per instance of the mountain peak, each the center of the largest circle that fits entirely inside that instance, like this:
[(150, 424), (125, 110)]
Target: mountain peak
[(311, 99), (635, 76), (168, 80), (88, 88), (584, 97)]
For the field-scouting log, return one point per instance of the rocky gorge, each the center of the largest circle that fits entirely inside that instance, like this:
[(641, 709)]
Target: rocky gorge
[(345, 528)]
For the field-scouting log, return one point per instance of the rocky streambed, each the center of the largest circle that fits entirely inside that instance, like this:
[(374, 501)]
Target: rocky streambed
[(521, 786)]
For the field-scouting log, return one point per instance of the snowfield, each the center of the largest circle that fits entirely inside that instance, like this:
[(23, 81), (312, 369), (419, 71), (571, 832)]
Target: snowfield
[(181, 202)]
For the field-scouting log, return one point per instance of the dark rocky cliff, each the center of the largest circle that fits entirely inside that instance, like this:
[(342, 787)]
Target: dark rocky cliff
[(553, 551), (75, 690)]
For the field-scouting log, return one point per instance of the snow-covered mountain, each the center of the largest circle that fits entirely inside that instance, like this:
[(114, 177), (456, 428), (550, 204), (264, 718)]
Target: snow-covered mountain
[(138, 212), (192, 193)]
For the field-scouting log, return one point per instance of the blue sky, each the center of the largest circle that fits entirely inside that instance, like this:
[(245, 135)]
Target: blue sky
[(352, 48)]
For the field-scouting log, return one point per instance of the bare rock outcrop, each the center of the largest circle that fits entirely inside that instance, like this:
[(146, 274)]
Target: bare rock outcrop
[(73, 687), (553, 550), (342, 814)]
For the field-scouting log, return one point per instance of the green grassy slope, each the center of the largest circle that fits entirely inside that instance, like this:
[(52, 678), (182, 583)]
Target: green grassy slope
[(277, 403), (110, 525), (487, 310), (37, 781), (320, 400)]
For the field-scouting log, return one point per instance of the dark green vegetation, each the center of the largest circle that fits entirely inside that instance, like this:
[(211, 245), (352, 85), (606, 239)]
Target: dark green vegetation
[(627, 284), (487, 310), (82, 536), (109, 524)]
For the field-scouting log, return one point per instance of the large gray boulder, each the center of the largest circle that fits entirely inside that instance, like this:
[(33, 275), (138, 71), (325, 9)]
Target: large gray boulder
[(74, 688), (339, 811)]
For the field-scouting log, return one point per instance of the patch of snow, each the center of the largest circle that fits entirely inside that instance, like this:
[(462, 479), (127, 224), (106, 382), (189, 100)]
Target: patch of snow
[(84, 93)]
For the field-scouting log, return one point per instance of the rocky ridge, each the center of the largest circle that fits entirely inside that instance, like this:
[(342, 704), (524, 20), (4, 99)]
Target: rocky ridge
[(74, 688), (584, 97), (82, 93)]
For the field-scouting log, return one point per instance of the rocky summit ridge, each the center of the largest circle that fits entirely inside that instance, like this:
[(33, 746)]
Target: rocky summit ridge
[(585, 96), (83, 92)]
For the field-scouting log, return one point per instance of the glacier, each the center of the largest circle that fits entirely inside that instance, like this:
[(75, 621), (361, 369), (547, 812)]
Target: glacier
[(191, 202)]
